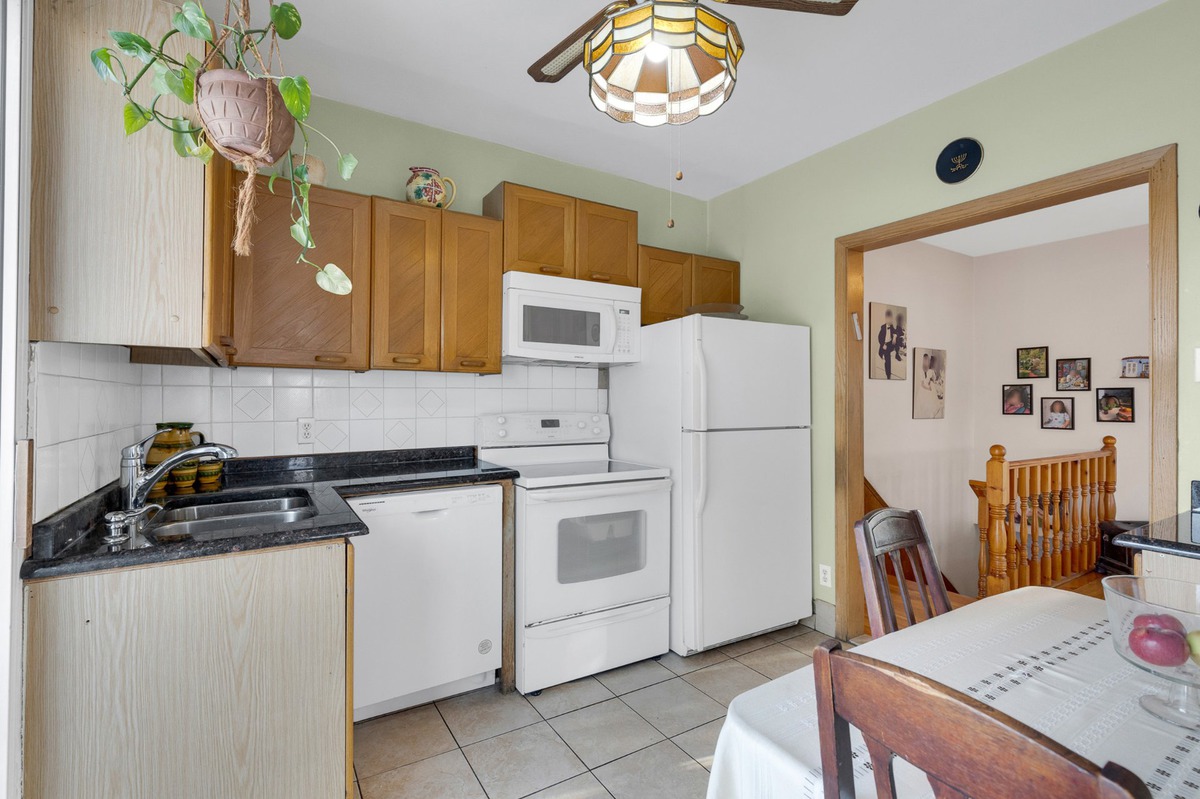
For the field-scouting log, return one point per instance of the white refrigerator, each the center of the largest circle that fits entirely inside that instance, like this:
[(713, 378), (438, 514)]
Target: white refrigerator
[(726, 404)]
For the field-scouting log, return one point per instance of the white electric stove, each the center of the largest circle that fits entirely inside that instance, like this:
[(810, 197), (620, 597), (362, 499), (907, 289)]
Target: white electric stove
[(593, 546)]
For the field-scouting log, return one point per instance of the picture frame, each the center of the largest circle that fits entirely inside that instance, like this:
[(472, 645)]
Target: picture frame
[(1115, 405), (1136, 367), (1058, 413), (1017, 399), (929, 383), (1033, 363), (887, 342), (1073, 374)]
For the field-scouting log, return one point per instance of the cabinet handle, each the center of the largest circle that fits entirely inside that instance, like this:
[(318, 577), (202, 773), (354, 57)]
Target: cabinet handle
[(330, 359), (231, 351), (226, 341), (405, 359), (473, 364), (552, 270), (600, 277)]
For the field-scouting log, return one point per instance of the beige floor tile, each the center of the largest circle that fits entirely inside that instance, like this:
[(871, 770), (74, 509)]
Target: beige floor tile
[(664, 771), (486, 713), (686, 665), (807, 642), (569, 696), (674, 706), (605, 732), (739, 648), (775, 661), (725, 680), (701, 742), (634, 676), (523, 761), (389, 742), (585, 786), (443, 777), (790, 632)]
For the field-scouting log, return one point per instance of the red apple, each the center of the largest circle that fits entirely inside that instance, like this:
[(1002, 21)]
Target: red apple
[(1163, 621), (1159, 647)]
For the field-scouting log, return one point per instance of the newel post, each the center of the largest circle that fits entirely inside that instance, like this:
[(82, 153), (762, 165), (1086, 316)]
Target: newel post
[(997, 501), (1109, 510)]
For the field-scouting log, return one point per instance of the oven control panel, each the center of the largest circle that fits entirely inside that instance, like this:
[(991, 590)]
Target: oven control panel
[(526, 429)]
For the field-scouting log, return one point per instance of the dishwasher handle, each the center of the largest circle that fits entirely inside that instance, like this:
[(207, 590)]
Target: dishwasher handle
[(597, 492)]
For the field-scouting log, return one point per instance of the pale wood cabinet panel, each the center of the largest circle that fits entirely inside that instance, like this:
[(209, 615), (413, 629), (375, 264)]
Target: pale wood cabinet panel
[(223, 676), (665, 277), (472, 269), (606, 243), (281, 317), (539, 229), (406, 291), (116, 223), (715, 280)]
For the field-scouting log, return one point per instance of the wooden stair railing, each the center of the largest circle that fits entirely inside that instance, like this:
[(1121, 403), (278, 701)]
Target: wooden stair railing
[(1039, 519)]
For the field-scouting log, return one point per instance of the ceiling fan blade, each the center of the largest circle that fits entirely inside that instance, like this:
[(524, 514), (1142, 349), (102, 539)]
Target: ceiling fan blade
[(836, 8), (568, 54)]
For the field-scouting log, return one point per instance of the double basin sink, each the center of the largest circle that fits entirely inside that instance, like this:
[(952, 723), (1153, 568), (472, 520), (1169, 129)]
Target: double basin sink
[(207, 518)]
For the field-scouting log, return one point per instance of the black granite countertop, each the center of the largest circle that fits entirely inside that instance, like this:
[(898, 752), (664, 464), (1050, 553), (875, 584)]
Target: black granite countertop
[(68, 542), (1173, 536)]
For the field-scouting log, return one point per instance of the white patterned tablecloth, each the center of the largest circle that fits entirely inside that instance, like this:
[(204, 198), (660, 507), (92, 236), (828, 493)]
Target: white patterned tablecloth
[(1040, 655)]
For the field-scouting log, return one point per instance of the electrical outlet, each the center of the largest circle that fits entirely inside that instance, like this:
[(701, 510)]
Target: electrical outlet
[(826, 576), (305, 432)]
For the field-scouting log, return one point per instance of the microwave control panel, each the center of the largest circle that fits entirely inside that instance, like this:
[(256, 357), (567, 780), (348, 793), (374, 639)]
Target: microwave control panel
[(629, 328), (522, 429)]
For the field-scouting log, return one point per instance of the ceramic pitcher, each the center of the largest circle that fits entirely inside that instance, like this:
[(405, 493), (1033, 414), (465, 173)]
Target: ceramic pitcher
[(427, 187), (172, 437)]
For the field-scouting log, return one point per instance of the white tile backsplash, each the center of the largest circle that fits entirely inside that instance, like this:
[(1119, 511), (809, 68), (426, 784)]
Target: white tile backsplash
[(90, 401)]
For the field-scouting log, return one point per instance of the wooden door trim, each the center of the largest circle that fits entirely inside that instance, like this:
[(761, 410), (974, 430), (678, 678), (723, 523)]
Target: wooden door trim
[(1158, 168)]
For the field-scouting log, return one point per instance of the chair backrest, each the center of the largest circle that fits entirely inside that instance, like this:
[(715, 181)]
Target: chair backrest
[(966, 748), (891, 533)]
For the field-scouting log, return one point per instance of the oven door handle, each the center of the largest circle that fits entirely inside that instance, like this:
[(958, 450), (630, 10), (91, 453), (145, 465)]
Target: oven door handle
[(597, 492)]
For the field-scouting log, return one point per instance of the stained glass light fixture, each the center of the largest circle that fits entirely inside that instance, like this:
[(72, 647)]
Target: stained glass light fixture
[(662, 62)]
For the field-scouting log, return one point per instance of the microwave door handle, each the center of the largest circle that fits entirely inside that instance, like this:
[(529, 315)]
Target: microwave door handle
[(598, 492), (608, 337)]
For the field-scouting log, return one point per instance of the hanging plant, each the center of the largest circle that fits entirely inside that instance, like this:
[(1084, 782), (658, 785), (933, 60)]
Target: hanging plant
[(246, 109)]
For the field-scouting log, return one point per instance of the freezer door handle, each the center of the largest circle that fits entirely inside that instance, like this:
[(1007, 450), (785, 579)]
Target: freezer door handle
[(700, 385), (536, 496)]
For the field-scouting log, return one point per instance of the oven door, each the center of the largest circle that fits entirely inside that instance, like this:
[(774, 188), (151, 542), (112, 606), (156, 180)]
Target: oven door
[(586, 548), (555, 327)]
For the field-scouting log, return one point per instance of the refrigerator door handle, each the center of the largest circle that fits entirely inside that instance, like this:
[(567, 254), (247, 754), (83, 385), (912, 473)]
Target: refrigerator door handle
[(701, 500), (700, 387)]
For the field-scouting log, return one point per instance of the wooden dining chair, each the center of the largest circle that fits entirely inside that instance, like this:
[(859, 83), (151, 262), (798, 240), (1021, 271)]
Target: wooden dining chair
[(894, 534), (966, 748)]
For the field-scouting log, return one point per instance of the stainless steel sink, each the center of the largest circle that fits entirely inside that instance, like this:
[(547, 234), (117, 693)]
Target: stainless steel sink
[(208, 518)]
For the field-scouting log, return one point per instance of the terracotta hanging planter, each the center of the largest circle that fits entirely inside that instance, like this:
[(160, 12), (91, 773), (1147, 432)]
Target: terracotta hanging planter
[(233, 108)]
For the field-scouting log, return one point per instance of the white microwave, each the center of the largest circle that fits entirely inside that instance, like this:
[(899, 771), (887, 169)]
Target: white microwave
[(560, 320)]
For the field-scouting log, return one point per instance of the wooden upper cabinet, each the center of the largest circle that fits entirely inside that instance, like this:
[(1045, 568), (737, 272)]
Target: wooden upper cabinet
[(472, 272), (281, 317), (715, 280), (406, 290), (606, 243), (539, 229), (665, 277)]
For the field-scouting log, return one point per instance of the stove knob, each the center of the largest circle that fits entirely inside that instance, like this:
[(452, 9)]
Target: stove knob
[(595, 431), (502, 433), (596, 419), (501, 420), (582, 425)]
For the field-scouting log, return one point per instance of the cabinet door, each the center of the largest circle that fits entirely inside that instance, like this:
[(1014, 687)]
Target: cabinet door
[(281, 317), (406, 289), (665, 277), (605, 243), (715, 280), (539, 231), (472, 269)]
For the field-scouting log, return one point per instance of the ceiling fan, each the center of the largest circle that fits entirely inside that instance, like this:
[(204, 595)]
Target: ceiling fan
[(569, 53)]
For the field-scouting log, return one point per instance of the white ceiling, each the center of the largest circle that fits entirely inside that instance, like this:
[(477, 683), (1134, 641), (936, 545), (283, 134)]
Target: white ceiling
[(1100, 214), (460, 65)]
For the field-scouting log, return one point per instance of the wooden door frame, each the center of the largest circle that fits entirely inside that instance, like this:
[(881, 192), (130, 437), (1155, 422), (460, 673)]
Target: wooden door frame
[(1158, 168)]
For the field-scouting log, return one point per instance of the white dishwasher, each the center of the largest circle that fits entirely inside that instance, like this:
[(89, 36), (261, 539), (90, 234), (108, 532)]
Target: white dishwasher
[(427, 596)]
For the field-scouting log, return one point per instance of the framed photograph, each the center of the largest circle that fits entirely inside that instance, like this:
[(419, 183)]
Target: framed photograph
[(929, 384), (1074, 374), (1033, 362), (1114, 405), (1137, 366), (1017, 400), (887, 345), (1058, 413)]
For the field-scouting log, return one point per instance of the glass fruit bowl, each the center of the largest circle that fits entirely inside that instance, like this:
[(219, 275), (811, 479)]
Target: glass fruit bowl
[(1155, 625)]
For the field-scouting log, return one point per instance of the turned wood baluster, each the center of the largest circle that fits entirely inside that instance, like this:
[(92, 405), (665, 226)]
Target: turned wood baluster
[(1014, 530), (1097, 509), (983, 542), (1056, 560), (1110, 479), (1028, 527), (1076, 520), (997, 500), (1086, 478), (1046, 541)]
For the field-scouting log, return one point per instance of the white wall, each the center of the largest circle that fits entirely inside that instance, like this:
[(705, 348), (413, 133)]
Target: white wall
[(923, 463), (90, 401), (1085, 298)]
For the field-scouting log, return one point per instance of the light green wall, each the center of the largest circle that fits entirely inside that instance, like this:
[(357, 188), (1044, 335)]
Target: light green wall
[(387, 146), (1128, 89)]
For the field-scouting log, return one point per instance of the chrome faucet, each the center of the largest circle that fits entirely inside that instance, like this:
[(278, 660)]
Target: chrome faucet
[(136, 482)]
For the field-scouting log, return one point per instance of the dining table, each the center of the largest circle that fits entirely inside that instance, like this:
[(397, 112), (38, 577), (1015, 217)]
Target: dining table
[(1043, 656)]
